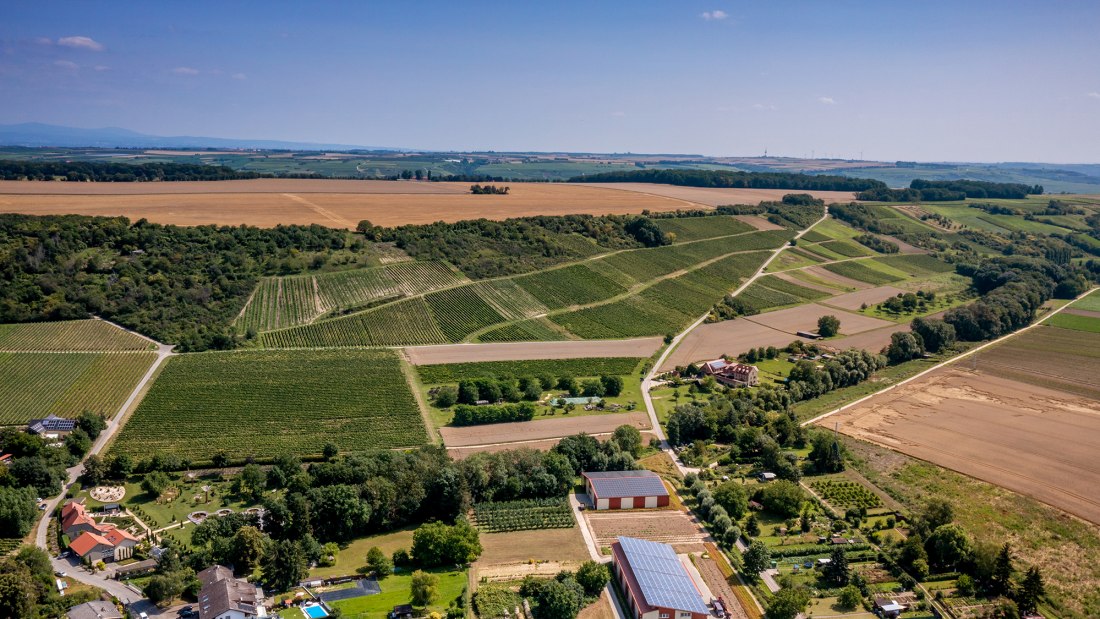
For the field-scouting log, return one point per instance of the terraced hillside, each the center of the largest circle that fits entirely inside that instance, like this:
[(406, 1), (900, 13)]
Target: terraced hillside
[(280, 302), (633, 292)]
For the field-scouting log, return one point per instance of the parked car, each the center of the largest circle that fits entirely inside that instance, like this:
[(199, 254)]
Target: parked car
[(60, 574)]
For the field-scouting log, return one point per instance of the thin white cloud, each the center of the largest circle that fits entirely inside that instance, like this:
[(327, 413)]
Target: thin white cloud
[(827, 100), (715, 15), (66, 64), (185, 71), (81, 42), (240, 76), (1093, 95), (101, 67), (43, 41), (761, 106)]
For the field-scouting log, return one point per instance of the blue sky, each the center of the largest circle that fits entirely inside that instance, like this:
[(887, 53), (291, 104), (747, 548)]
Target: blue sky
[(924, 80)]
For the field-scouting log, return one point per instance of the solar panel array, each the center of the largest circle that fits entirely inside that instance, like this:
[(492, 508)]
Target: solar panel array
[(662, 577), (618, 484)]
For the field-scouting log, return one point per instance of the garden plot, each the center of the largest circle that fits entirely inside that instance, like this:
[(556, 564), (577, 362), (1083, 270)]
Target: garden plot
[(804, 318), (666, 526), (854, 300)]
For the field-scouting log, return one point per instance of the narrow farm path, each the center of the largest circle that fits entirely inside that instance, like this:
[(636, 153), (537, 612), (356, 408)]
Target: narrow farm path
[(74, 569)]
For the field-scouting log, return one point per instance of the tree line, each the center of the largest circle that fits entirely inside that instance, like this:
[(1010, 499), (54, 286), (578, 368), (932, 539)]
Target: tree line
[(795, 211), (731, 179), (112, 172), (921, 190)]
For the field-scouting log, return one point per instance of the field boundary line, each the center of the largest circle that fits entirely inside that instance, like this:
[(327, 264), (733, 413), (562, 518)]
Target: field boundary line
[(1039, 322)]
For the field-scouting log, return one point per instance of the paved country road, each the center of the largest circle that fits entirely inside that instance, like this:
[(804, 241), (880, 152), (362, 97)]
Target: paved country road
[(71, 565)]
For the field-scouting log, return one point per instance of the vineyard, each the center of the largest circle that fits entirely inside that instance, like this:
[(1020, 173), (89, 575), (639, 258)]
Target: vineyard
[(264, 403), (596, 366), (37, 384), (696, 228), (845, 494), (916, 264), (759, 297), (524, 515), (281, 302), (474, 310), (69, 336), (844, 248), (857, 271)]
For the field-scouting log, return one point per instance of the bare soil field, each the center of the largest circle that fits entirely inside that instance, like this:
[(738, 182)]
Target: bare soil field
[(337, 207), (804, 318), (1082, 312), (785, 276), (719, 586), (828, 276), (715, 196), (1029, 439), (853, 300), (1048, 357), (758, 222), (600, 609), (873, 340), (458, 453), (668, 526), (540, 545), (732, 337), (257, 185), (903, 247), (521, 432), (523, 351)]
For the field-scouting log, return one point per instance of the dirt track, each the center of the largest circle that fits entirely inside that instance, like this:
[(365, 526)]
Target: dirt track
[(540, 429), (1029, 439), (329, 202), (521, 351)]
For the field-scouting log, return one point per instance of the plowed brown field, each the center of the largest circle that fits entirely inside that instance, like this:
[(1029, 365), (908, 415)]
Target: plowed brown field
[(1029, 439), (520, 432), (714, 196), (520, 351)]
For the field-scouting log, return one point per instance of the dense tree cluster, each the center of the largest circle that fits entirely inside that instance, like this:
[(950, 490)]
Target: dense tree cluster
[(467, 415), (37, 467), (878, 244), (1012, 290), (482, 248), (489, 190), (921, 190), (723, 178), (109, 171), (28, 589), (182, 285), (795, 211)]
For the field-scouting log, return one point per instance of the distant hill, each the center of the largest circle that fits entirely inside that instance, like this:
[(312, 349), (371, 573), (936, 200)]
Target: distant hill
[(40, 134)]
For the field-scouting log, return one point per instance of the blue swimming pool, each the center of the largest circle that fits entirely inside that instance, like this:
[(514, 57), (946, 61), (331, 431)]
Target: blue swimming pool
[(315, 611)]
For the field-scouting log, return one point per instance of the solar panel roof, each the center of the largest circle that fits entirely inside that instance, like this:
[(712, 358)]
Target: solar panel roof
[(618, 484), (661, 576)]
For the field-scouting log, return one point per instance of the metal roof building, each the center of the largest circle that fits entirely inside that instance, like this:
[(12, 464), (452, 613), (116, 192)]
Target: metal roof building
[(655, 582), (625, 489)]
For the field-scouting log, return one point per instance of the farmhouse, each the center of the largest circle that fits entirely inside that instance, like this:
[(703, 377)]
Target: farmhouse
[(888, 608), (655, 582), (52, 426), (224, 597), (739, 375), (625, 489), (765, 476), (94, 541), (714, 367)]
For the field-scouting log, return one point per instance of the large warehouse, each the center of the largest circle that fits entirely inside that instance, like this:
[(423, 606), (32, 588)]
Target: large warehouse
[(625, 489), (655, 582)]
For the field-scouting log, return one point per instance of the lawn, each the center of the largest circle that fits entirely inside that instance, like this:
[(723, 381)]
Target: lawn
[(1091, 302), (396, 590), (354, 555), (1075, 322)]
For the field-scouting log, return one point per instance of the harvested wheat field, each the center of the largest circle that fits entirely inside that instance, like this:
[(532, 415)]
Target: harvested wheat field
[(1029, 439), (715, 196), (669, 526), (730, 337), (523, 351), (334, 203), (873, 340), (870, 296), (520, 432), (804, 318), (758, 222)]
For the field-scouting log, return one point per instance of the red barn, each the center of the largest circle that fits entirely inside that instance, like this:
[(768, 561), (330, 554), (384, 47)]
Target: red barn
[(656, 584), (625, 490)]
